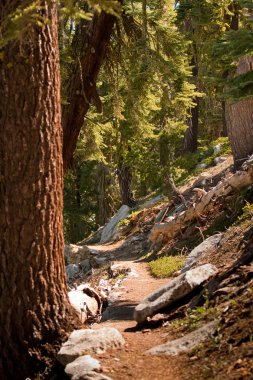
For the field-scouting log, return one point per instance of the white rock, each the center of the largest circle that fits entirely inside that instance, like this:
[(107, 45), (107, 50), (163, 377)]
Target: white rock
[(74, 253), (201, 166), (173, 291), (199, 252), (87, 341), (186, 343), (219, 160), (110, 228), (81, 367), (152, 202), (81, 301), (217, 148)]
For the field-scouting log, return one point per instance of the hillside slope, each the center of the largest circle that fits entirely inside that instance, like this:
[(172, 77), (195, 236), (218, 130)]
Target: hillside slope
[(222, 235)]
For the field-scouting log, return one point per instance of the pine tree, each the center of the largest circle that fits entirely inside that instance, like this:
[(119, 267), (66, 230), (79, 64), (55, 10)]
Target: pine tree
[(34, 306)]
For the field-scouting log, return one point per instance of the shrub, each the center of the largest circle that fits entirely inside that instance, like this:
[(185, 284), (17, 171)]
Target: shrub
[(166, 266)]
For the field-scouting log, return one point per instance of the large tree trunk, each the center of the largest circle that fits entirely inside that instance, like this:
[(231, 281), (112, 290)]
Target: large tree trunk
[(82, 85), (34, 306), (239, 117)]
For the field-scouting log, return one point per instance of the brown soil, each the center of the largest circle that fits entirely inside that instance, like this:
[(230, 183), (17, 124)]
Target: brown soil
[(228, 356), (131, 361)]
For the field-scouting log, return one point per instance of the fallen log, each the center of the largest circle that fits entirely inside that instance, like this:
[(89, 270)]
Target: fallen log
[(194, 211), (173, 291)]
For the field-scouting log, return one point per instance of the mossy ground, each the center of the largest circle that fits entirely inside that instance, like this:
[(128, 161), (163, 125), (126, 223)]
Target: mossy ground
[(166, 266)]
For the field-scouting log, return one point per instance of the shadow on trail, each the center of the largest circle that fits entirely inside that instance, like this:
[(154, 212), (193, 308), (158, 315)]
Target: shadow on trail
[(119, 311)]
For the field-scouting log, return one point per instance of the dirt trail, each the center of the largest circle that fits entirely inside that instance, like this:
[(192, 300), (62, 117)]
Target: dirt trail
[(131, 361)]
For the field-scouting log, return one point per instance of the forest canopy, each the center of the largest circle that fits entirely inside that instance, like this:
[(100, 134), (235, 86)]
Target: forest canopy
[(160, 99)]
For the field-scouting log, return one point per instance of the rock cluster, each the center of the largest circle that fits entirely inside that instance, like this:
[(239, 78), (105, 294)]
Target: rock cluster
[(75, 353)]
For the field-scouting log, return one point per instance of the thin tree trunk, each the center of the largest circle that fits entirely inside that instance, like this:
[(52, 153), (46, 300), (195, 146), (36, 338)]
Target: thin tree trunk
[(224, 121), (191, 133), (34, 306), (144, 20), (82, 85), (78, 187), (125, 182), (104, 204), (239, 117)]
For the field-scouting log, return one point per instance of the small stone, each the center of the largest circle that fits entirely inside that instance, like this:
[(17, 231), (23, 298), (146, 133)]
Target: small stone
[(74, 254), (81, 367), (100, 261), (193, 358), (201, 166), (72, 271), (146, 331), (219, 160), (217, 148), (85, 265), (89, 341), (186, 343)]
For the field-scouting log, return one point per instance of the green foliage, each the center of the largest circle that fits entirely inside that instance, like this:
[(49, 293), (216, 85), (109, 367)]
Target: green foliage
[(20, 20), (16, 23), (166, 266), (148, 87), (74, 9), (196, 316), (229, 49), (184, 166), (247, 212), (123, 222)]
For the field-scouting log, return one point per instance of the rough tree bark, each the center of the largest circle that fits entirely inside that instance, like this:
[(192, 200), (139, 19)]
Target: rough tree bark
[(34, 306), (82, 84), (239, 117)]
